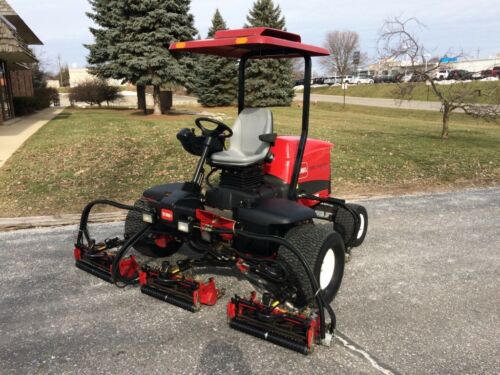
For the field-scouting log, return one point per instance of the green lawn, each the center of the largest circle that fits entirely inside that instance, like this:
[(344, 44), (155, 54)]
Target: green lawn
[(86, 154), (390, 91)]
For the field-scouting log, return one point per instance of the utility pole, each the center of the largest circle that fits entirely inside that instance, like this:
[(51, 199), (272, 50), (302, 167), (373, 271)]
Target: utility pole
[(60, 70)]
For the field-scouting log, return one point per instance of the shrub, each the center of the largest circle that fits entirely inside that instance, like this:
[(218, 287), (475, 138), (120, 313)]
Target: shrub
[(94, 92), (45, 96), (24, 105)]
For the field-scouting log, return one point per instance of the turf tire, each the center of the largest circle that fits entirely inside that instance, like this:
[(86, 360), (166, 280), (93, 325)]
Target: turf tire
[(362, 227), (314, 241), (345, 224)]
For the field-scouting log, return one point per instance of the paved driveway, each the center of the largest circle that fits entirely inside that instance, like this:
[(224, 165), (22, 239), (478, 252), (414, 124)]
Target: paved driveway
[(421, 296), (374, 102), (15, 133)]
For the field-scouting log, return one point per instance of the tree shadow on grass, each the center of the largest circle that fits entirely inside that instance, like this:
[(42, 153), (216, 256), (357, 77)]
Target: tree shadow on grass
[(141, 113), (63, 115)]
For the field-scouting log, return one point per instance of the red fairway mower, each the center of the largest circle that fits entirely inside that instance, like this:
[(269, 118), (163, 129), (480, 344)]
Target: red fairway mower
[(258, 219)]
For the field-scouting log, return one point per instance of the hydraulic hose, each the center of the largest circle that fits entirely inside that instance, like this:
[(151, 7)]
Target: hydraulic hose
[(319, 296), (262, 273), (115, 272), (83, 230), (334, 202)]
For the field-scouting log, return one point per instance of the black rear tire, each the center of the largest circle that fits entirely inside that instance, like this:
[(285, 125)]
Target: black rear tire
[(362, 227), (316, 242), (147, 245), (352, 233)]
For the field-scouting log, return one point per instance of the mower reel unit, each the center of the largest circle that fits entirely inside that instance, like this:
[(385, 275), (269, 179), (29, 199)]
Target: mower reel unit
[(260, 219)]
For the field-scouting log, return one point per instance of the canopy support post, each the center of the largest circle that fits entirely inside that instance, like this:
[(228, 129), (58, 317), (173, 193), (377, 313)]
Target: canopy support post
[(241, 83), (292, 192)]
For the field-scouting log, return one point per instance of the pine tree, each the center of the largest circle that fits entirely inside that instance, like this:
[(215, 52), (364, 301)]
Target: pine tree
[(269, 82), (110, 16), (65, 76), (133, 39), (217, 77), (103, 56), (39, 76)]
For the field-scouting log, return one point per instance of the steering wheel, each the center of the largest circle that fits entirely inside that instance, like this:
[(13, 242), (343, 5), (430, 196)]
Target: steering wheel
[(221, 131)]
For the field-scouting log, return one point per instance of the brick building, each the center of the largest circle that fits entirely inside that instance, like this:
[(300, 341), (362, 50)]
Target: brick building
[(16, 59)]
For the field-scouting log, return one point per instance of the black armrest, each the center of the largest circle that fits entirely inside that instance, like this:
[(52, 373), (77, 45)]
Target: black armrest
[(268, 138)]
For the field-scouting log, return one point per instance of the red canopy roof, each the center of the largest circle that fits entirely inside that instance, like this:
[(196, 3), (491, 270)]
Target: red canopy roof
[(261, 41)]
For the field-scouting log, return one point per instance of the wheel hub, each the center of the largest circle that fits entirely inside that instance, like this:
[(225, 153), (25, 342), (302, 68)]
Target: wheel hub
[(327, 269), (361, 226)]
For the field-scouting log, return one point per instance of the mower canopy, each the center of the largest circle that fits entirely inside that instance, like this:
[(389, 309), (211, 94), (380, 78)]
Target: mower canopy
[(259, 42)]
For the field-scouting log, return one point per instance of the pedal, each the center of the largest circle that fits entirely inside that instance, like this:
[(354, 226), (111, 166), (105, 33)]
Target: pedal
[(100, 264), (171, 286), (290, 330)]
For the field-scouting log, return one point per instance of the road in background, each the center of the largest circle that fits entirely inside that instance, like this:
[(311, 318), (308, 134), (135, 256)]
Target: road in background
[(374, 102), (419, 297)]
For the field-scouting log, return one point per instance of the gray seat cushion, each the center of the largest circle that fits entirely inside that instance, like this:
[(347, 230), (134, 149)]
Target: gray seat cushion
[(245, 147)]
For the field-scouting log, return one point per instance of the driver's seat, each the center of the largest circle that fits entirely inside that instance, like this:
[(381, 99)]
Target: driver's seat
[(246, 144)]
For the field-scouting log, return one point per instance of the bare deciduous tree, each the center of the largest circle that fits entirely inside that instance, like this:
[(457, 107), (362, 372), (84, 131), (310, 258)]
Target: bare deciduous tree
[(298, 68), (342, 45), (399, 42)]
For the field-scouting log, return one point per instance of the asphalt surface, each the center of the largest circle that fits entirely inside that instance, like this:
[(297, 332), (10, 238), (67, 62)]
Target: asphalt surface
[(420, 296)]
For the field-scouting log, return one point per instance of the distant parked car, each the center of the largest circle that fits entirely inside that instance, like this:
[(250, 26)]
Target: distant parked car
[(459, 74), (495, 72), (318, 81), (362, 80), (477, 75), (333, 80), (406, 77), (398, 77), (298, 82), (417, 77), (442, 74), (385, 78), (348, 79)]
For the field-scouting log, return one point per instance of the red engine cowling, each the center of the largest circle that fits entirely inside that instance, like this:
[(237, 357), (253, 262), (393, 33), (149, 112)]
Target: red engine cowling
[(315, 172)]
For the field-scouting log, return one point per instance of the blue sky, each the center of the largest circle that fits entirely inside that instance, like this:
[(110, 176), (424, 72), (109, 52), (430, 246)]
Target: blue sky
[(473, 27)]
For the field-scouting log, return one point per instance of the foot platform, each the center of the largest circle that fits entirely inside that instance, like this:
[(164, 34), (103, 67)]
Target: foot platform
[(290, 330)]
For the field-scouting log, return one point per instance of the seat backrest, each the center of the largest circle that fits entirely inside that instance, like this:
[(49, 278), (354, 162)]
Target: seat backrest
[(250, 124)]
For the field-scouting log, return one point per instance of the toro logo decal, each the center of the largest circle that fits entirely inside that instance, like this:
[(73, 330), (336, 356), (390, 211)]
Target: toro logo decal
[(304, 169), (167, 214)]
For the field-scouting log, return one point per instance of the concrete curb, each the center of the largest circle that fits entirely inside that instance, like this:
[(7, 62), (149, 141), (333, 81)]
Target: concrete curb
[(10, 224)]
